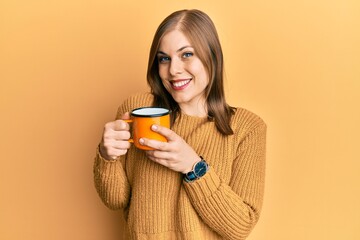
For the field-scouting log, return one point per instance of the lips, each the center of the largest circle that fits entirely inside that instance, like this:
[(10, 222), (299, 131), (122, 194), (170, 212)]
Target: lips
[(180, 84)]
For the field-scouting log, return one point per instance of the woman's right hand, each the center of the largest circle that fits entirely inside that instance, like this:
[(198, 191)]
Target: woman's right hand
[(115, 138)]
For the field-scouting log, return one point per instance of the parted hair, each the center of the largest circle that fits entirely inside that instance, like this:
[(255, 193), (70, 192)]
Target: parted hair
[(201, 33)]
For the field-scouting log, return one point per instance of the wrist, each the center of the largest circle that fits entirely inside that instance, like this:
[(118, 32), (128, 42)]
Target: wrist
[(101, 151), (197, 159), (103, 154)]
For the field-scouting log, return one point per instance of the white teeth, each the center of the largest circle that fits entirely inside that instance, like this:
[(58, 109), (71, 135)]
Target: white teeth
[(181, 83)]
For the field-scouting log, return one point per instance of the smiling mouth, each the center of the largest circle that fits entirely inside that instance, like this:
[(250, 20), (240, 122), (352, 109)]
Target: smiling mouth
[(180, 84)]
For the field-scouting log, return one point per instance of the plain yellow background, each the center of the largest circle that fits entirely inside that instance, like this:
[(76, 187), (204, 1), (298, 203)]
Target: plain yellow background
[(66, 65)]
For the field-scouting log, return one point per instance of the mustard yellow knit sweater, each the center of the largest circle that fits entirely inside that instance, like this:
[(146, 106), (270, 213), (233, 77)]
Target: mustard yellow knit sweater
[(159, 204)]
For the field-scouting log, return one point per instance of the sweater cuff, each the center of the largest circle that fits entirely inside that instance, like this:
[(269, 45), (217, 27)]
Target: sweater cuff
[(204, 187), (98, 154)]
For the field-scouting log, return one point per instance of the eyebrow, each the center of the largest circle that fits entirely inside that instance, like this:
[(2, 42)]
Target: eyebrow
[(179, 50)]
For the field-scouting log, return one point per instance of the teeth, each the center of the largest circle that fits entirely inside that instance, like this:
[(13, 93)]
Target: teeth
[(181, 83)]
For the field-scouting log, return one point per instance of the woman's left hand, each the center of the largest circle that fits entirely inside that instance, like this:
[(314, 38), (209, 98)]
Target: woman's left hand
[(175, 154)]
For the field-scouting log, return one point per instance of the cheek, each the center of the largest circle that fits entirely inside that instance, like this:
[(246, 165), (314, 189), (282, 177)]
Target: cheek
[(206, 79), (162, 72), (163, 76), (166, 84), (202, 74), (197, 68)]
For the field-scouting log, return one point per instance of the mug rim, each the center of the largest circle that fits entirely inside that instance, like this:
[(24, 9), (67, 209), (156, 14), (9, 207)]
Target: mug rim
[(150, 115)]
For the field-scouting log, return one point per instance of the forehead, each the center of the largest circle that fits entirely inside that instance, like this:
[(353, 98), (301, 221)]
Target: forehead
[(173, 41)]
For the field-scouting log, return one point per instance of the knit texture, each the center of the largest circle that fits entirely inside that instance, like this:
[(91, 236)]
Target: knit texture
[(159, 204)]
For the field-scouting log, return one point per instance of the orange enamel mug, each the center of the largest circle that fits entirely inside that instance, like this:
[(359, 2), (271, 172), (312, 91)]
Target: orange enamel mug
[(142, 119)]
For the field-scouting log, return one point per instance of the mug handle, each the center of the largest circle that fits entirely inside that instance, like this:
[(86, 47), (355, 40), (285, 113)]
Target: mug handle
[(129, 121)]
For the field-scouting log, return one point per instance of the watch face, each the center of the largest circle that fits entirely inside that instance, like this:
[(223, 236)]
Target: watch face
[(200, 169)]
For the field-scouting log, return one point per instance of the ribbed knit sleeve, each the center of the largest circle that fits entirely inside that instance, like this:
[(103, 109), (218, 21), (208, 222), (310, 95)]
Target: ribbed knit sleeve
[(111, 182), (232, 209), (110, 178)]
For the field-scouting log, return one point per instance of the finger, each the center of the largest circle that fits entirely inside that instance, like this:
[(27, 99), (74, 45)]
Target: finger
[(158, 154), (110, 134), (115, 153), (110, 144), (116, 125), (125, 116), (165, 162), (166, 132), (162, 146), (108, 151), (161, 161), (120, 125), (121, 135), (122, 145)]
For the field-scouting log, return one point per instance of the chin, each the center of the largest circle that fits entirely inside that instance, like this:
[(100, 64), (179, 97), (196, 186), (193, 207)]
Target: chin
[(180, 99)]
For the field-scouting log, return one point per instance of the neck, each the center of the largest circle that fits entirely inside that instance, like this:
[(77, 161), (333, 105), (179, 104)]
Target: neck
[(197, 110)]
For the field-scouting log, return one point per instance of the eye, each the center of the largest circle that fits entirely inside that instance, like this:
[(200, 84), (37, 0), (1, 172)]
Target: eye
[(163, 59), (188, 54)]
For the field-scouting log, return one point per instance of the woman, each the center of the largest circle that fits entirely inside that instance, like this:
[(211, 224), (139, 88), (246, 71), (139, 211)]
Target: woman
[(160, 193)]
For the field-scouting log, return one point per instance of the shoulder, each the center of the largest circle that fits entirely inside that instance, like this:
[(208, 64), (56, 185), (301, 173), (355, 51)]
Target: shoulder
[(244, 121), (137, 100), (144, 99)]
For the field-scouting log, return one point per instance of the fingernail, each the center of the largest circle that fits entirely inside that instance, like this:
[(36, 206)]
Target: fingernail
[(154, 127), (141, 141)]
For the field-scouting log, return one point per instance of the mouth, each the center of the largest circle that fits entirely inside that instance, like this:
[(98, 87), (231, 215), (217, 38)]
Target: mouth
[(180, 84)]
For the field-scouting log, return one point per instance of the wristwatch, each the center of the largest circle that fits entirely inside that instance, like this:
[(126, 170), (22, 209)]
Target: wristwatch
[(200, 169)]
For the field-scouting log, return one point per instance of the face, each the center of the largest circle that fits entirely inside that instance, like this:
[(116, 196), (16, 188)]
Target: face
[(181, 71)]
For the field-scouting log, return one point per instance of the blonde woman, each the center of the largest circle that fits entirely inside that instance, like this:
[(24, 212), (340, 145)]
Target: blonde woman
[(207, 181)]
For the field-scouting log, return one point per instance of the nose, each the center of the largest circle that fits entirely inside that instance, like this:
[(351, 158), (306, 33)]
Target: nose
[(176, 66)]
